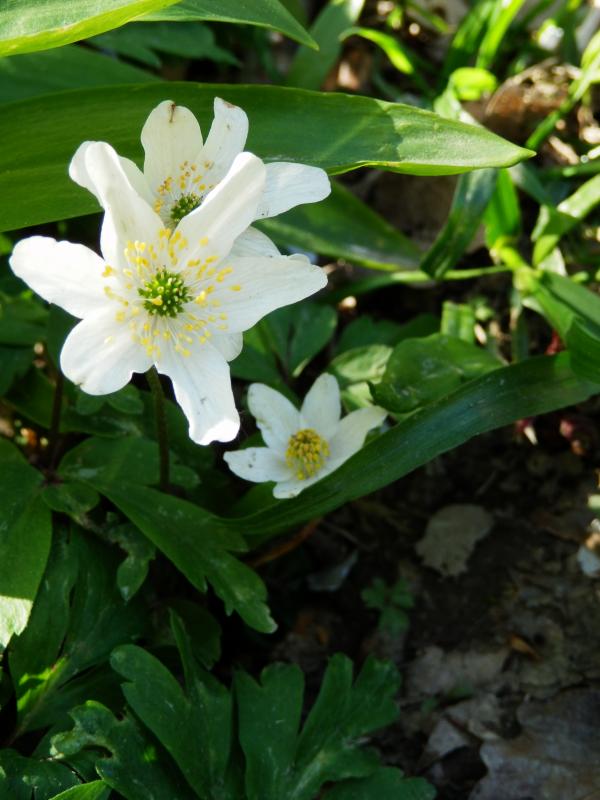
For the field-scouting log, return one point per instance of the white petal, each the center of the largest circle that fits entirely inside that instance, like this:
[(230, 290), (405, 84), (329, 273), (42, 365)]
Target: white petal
[(228, 210), (78, 172), (226, 139), (69, 275), (137, 179), (351, 432), (257, 464), (290, 185), (202, 385), (229, 345), (100, 354), (290, 488), (128, 216), (170, 136), (253, 243), (264, 285), (321, 408), (276, 417)]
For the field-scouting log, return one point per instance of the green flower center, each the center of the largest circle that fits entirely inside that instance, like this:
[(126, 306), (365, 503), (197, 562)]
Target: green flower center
[(165, 294), (306, 453), (183, 206)]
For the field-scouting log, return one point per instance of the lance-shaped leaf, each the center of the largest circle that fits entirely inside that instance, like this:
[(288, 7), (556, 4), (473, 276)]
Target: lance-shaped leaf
[(334, 131), (271, 14), (78, 618), (31, 25), (25, 536)]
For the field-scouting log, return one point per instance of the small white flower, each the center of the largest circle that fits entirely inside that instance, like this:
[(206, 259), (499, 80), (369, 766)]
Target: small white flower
[(177, 299), (180, 170), (302, 446)]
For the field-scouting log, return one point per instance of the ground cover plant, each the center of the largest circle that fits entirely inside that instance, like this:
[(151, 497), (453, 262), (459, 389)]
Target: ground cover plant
[(300, 357)]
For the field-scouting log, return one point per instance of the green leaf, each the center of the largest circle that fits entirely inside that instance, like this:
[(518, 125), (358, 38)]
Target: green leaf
[(70, 67), (420, 371), (385, 784), (458, 321), (269, 14), (309, 69), (14, 363), (502, 217), (471, 30), (342, 715), (141, 42), (575, 313), (333, 131), (97, 790), (20, 776), (356, 369), (297, 333), (498, 25), (194, 723), (173, 525), (130, 459), (29, 25), (135, 767), (194, 726), (554, 223), (73, 498), (342, 226), (78, 618), (473, 193), (25, 537), (400, 56), (133, 570), (365, 330)]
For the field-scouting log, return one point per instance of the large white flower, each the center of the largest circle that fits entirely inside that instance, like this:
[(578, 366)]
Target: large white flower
[(180, 170), (302, 445), (177, 299)]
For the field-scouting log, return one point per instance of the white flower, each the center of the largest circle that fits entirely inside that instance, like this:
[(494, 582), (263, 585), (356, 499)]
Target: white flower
[(177, 299), (302, 446), (180, 170)]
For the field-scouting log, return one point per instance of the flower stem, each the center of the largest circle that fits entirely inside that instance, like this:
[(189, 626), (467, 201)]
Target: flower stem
[(161, 427), (54, 432)]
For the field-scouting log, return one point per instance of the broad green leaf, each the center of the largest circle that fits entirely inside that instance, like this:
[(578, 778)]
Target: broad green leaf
[(134, 766), (471, 83), (532, 387), (364, 330), (25, 536), (71, 497), (420, 371), (553, 223), (194, 726), (142, 42), (297, 333), (309, 69), (78, 618), (269, 14), (342, 226), (22, 320), (19, 775), (343, 713), (97, 790), (29, 25), (70, 67), (174, 526), (356, 370), (130, 460), (334, 131), (385, 784), (257, 361), (472, 194)]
